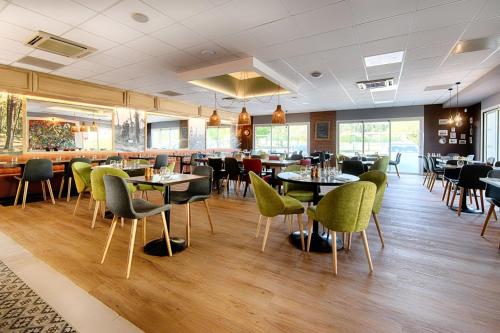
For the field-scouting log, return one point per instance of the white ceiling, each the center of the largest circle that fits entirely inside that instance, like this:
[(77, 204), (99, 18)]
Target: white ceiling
[(294, 37)]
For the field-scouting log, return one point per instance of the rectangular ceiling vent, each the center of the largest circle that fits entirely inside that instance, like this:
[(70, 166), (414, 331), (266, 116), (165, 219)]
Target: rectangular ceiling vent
[(41, 63), (438, 87), (61, 46), (170, 93), (372, 84)]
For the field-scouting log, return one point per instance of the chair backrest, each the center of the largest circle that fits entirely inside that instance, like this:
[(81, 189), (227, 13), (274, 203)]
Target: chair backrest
[(398, 158), (97, 180), (305, 162), (381, 164), (452, 173), (490, 160), (274, 157), (194, 156), (295, 157), (268, 200), (68, 171), (215, 163), (470, 174), (352, 167), (493, 191), (378, 178), (497, 164), (118, 199), (231, 166), (161, 160), (426, 164), (470, 157), (294, 186), (171, 166), (113, 158), (252, 164), (81, 174), (348, 207), (203, 186), (37, 170), (263, 155), (453, 154)]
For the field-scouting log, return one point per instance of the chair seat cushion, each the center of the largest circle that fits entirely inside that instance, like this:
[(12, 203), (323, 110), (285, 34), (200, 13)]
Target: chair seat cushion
[(302, 196), (183, 197), (146, 208), (292, 206)]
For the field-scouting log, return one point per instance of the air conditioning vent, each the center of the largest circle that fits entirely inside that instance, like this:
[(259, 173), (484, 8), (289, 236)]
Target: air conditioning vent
[(372, 84), (42, 63), (170, 93), (438, 87), (54, 44)]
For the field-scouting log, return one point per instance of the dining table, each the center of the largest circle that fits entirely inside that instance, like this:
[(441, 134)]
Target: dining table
[(319, 242), (158, 246)]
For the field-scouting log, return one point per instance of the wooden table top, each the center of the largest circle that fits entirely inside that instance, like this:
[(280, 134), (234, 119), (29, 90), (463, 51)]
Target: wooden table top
[(176, 178)]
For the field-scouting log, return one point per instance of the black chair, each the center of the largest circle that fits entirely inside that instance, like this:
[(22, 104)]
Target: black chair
[(426, 169), (190, 163), (492, 194), (197, 191), (296, 157), (160, 161), (120, 203), (68, 175), (36, 170), (497, 164), (450, 175), (468, 182), (435, 172), (219, 173), (234, 173), (396, 162), (116, 158), (352, 167)]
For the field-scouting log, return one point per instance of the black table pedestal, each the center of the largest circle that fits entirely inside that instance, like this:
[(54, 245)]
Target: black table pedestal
[(158, 247), (465, 207), (319, 243)]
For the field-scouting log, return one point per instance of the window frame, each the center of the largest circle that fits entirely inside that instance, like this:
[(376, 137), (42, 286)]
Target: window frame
[(308, 141), (218, 142)]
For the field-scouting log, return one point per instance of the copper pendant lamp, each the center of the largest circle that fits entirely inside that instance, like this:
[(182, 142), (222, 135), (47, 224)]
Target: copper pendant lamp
[(278, 114), (214, 119)]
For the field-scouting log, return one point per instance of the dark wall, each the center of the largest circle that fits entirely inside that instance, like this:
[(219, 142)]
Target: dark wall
[(432, 114)]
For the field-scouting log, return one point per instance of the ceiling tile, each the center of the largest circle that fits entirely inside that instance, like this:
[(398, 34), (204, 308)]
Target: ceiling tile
[(14, 46), (127, 54), (106, 60), (150, 45), (31, 20), (52, 57), (394, 26), (180, 10), (491, 9), (179, 36), (344, 58), (481, 29), (30, 67), (122, 12), (62, 10), (369, 10), (90, 66), (14, 32), (444, 15), (440, 50), (72, 72), (277, 32), (387, 45), (6, 57), (298, 6), (97, 5), (241, 42), (436, 36), (179, 60), (89, 39), (254, 13), (325, 19), (220, 52), (107, 28)]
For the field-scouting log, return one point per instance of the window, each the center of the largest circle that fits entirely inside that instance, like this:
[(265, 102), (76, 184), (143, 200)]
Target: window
[(386, 138), (491, 140), (165, 138), (218, 137), (282, 138)]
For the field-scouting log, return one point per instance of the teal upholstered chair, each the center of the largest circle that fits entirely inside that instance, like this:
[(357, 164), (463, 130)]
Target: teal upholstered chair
[(378, 178), (381, 164), (271, 204), (345, 209)]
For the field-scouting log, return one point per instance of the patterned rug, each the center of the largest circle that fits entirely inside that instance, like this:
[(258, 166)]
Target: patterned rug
[(23, 311)]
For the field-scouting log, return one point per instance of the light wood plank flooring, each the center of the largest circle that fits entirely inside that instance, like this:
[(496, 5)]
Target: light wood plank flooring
[(436, 274)]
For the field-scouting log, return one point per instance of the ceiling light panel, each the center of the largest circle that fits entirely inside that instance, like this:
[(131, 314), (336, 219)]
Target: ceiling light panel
[(384, 59)]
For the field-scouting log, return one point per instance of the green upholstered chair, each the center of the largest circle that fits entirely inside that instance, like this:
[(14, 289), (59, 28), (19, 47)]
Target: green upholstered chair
[(81, 175), (98, 189), (144, 188), (345, 209), (379, 178), (381, 164), (301, 192), (271, 204)]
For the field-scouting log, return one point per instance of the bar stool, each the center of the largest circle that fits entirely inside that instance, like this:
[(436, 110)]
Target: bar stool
[(119, 202), (38, 170), (68, 175)]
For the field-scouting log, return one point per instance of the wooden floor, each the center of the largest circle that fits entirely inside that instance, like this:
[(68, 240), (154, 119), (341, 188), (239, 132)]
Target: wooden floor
[(436, 274)]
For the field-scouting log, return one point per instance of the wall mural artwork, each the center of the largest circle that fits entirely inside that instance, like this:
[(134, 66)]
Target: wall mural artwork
[(50, 135), (129, 130), (11, 123)]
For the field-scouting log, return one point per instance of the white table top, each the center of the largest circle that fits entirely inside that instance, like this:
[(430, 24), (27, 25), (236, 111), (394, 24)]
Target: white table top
[(491, 181)]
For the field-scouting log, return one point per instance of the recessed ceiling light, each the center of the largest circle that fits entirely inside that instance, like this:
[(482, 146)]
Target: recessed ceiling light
[(207, 52), (382, 102), (140, 17), (316, 74), (387, 88), (384, 59)]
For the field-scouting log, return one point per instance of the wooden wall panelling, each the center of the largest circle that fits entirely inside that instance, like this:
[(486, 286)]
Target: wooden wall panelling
[(140, 101), (15, 80), (52, 86), (176, 108)]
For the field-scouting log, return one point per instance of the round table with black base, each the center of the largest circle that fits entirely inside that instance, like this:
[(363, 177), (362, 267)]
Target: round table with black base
[(465, 207), (319, 242)]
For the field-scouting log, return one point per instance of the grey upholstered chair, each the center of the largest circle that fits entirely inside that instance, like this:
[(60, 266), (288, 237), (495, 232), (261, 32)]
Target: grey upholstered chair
[(352, 167), (199, 190), (36, 170), (68, 175), (119, 202), (161, 161), (113, 158)]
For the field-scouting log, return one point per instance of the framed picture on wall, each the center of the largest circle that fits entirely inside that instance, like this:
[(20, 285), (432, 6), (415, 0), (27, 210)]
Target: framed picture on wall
[(453, 141), (322, 130), (462, 142), (443, 122), (442, 132), (453, 135)]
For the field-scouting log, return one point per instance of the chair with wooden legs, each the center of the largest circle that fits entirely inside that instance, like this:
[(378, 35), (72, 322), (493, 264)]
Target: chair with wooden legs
[(492, 195), (451, 174), (395, 163), (380, 180), (234, 173), (120, 203), (199, 190), (81, 174), (271, 204), (381, 164), (67, 177), (346, 209), (435, 173), (427, 170), (301, 192), (36, 170), (468, 183), (99, 191)]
